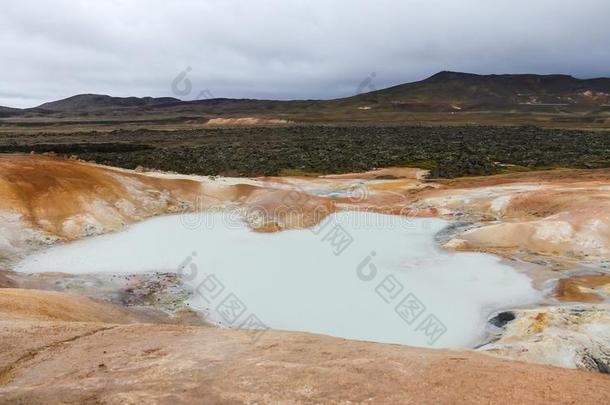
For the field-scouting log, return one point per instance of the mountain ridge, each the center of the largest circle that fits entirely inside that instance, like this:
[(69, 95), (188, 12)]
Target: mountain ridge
[(445, 97), (87, 101), (539, 88), (554, 85), (496, 91)]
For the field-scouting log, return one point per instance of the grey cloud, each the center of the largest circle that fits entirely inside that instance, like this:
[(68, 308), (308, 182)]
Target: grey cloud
[(286, 48)]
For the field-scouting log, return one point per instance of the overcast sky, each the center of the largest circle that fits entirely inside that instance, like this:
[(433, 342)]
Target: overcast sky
[(285, 48)]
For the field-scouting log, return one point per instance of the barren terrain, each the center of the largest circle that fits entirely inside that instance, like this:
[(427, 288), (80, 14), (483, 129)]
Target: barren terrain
[(282, 150), (553, 224), (446, 98), (107, 363)]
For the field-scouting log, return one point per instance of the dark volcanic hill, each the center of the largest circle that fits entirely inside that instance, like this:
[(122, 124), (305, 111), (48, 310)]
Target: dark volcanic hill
[(97, 101), (8, 111), (458, 91), (445, 91), (446, 97)]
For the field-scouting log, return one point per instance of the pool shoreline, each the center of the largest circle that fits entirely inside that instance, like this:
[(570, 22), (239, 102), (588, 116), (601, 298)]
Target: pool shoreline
[(424, 237)]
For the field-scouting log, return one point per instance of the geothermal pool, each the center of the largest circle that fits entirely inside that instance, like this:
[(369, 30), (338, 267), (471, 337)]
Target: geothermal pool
[(356, 275)]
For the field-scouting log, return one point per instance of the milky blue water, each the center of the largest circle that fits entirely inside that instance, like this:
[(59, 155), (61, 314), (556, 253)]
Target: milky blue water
[(357, 275)]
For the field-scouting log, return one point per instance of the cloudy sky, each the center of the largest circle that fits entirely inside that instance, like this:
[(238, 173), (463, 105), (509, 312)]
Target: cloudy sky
[(285, 48)]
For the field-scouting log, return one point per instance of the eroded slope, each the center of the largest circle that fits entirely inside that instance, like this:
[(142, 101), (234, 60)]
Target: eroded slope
[(561, 217)]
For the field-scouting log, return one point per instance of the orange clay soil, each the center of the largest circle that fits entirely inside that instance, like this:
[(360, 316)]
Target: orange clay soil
[(557, 213), (47, 192), (54, 362), (54, 306), (70, 199), (244, 121), (582, 288), (387, 173), (57, 347), (564, 213)]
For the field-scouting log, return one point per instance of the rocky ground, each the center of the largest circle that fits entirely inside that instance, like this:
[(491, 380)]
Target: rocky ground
[(52, 362), (128, 340), (288, 150)]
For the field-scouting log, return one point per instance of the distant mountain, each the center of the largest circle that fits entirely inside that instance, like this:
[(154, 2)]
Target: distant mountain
[(511, 98), (458, 91), (8, 111), (86, 102), (444, 91)]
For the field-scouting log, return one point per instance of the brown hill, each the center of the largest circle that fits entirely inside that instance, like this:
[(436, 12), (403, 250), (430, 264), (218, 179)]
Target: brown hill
[(452, 91), (444, 91), (93, 363), (444, 98), (8, 111), (458, 91), (99, 102)]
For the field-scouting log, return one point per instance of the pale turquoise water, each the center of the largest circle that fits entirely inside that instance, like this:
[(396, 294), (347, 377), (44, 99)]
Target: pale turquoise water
[(409, 291)]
